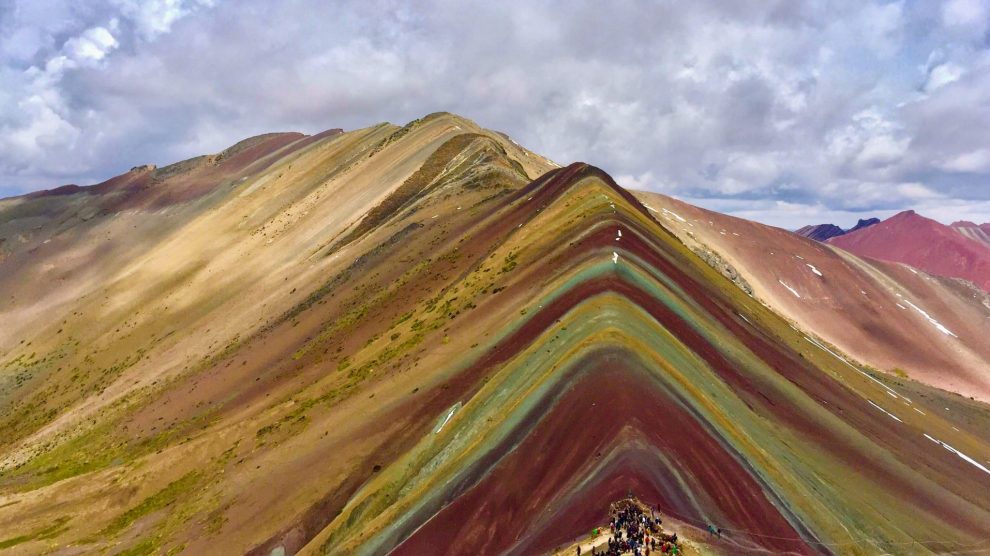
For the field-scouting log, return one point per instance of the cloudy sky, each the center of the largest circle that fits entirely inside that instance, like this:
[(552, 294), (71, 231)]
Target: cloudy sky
[(787, 112)]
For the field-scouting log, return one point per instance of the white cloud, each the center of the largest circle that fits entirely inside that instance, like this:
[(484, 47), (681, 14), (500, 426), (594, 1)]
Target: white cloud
[(868, 146), (92, 45), (881, 150), (156, 17), (747, 171), (970, 16), (45, 128), (44, 125), (642, 182), (848, 106), (881, 25), (976, 162), (943, 74), (917, 192)]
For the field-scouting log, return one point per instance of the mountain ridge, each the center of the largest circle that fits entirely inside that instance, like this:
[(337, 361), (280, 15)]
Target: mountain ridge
[(415, 336), (856, 304)]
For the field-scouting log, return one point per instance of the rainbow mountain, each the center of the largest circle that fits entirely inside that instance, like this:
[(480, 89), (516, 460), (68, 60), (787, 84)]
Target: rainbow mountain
[(429, 340)]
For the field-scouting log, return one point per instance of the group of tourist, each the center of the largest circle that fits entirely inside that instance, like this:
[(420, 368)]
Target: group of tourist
[(634, 532)]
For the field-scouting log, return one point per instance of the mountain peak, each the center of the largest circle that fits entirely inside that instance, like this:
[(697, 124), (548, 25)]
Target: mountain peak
[(863, 223), (912, 218), (820, 232)]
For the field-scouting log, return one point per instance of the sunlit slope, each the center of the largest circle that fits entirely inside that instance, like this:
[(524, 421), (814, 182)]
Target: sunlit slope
[(398, 339), (899, 320), (158, 288), (107, 316)]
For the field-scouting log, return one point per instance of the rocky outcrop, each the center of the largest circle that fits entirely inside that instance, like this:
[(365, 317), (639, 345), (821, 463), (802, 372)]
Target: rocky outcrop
[(820, 232)]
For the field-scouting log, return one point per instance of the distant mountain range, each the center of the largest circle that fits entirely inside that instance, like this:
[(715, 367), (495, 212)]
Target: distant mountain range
[(823, 232), (925, 244), (960, 250)]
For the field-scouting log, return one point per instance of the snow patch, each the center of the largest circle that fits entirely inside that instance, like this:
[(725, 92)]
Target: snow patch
[(674, 214), (933, 322), (790, 289), (853, 367), (446, 419), (891, 415), (960, 454)]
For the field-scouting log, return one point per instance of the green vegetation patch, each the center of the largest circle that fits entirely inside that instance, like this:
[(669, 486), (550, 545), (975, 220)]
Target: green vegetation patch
[(146, 546), (41, 534), (161, 499), (87, 452)]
